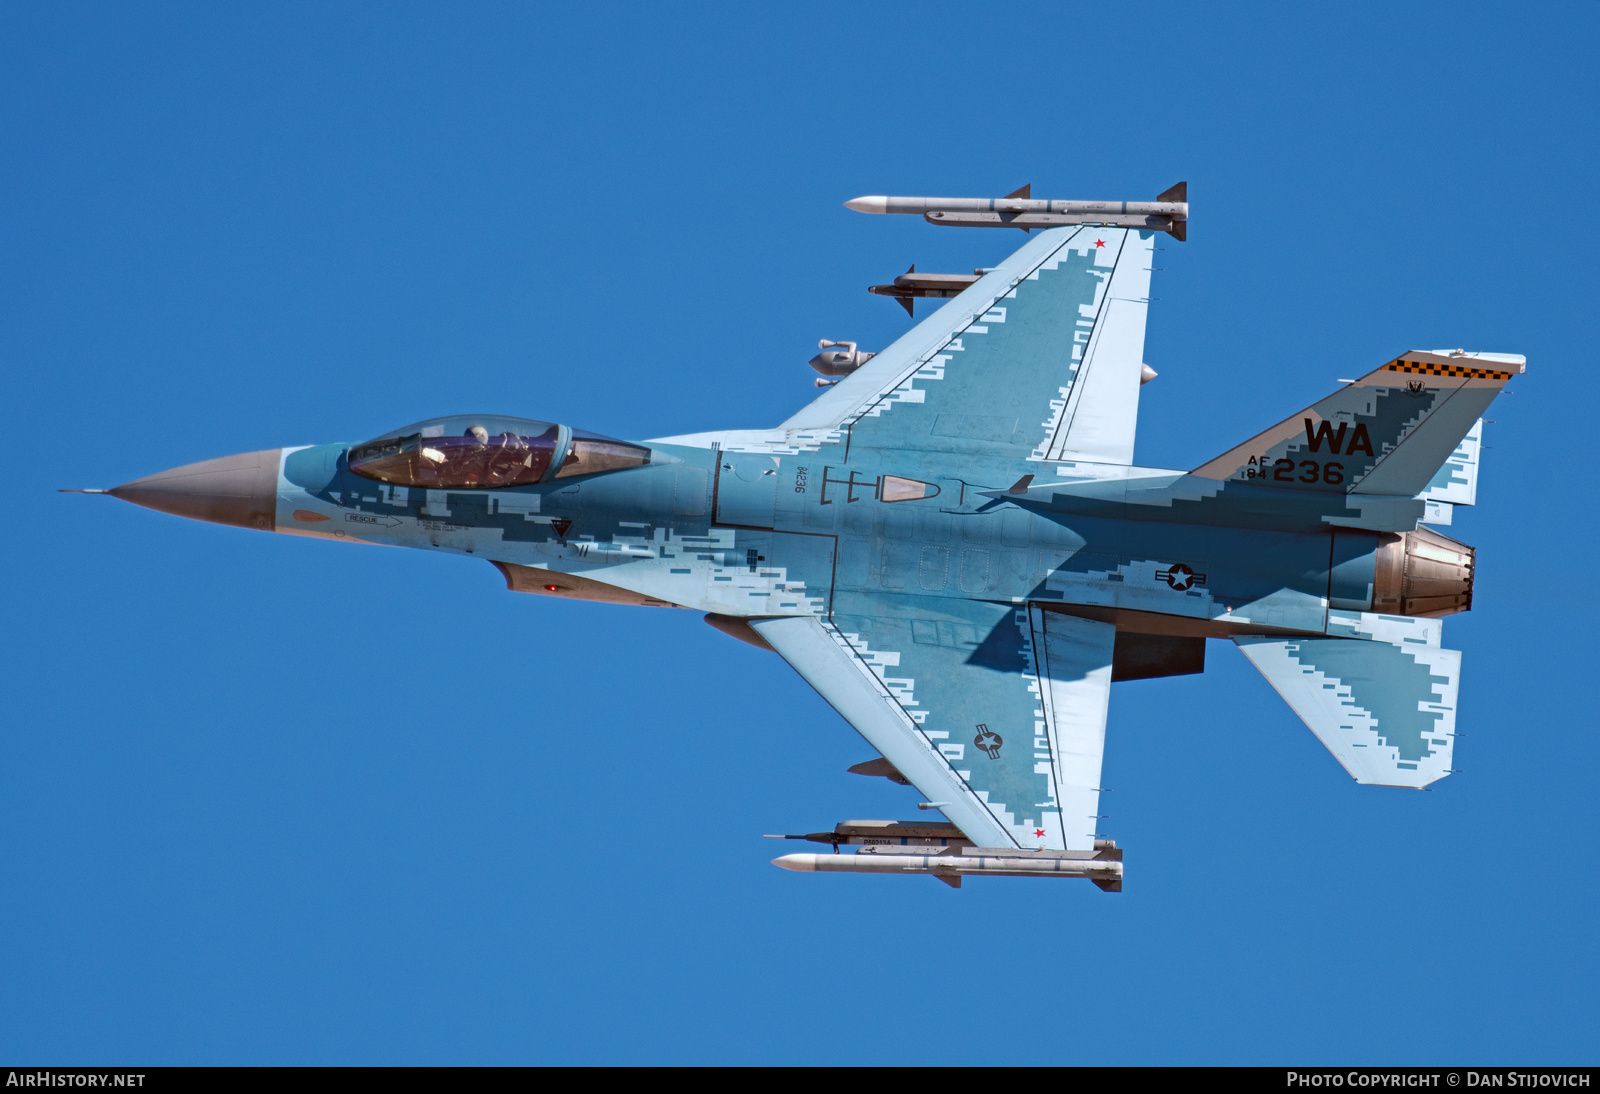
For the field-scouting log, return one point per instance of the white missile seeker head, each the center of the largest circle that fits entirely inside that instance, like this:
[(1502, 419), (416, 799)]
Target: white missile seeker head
[(872, 203)]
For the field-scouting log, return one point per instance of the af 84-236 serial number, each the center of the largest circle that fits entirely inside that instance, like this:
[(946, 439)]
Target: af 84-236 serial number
[(1306, 471)]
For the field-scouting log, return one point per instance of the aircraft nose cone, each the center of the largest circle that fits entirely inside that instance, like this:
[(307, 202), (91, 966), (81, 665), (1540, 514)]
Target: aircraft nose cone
[(240, 490)]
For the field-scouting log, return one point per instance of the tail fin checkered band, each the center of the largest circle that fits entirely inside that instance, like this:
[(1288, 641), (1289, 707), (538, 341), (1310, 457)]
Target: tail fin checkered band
[(1430, 369)]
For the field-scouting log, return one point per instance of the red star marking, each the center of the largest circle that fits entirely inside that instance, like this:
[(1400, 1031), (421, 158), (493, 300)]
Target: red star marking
[(1038, 831), (1099, 243)]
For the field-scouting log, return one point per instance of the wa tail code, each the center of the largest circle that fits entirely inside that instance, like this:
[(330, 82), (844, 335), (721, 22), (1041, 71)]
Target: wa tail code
[(1323, 432)]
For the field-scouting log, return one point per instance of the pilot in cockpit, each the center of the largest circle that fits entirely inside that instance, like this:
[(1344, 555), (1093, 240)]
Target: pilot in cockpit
[(464, 453)]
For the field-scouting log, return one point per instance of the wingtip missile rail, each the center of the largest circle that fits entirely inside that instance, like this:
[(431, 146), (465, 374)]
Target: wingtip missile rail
[(1168, 213)]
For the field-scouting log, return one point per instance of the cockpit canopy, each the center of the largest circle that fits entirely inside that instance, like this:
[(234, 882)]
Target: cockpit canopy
[(481, 452)]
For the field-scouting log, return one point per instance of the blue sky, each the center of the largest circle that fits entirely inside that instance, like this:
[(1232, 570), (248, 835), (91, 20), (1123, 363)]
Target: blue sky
[(271, 800)]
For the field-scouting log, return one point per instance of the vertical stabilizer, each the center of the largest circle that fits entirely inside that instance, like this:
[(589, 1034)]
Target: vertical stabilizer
[(1388, 433)]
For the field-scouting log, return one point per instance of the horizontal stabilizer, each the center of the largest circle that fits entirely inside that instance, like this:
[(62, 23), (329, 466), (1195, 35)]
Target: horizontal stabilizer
[(1383, 703), (1455, 483)]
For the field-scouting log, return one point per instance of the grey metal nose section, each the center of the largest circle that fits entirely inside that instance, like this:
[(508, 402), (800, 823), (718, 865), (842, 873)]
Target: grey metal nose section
[(240, 490)]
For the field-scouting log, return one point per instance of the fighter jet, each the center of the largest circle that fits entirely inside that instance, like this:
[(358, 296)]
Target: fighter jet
[(952, 545)]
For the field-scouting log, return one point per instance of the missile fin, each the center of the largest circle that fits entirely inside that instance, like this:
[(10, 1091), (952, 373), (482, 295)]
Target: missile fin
[(1178, 192), (905, 302), (952, 880), (1026, 192), (1179, 230)]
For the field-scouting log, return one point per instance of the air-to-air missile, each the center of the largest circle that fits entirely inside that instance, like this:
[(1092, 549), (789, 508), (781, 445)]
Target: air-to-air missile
[(911, 286), (1168, 213), (940, 849)]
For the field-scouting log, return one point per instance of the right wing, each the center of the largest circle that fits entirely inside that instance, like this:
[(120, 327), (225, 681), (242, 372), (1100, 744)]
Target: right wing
[(1040, 358), (995, 712)]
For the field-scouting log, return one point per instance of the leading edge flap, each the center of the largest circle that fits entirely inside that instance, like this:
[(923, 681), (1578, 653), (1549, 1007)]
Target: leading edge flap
[(1383, 704)]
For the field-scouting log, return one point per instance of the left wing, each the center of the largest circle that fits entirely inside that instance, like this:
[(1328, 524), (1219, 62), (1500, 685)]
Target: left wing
[(995, 712), (1040, 358)]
